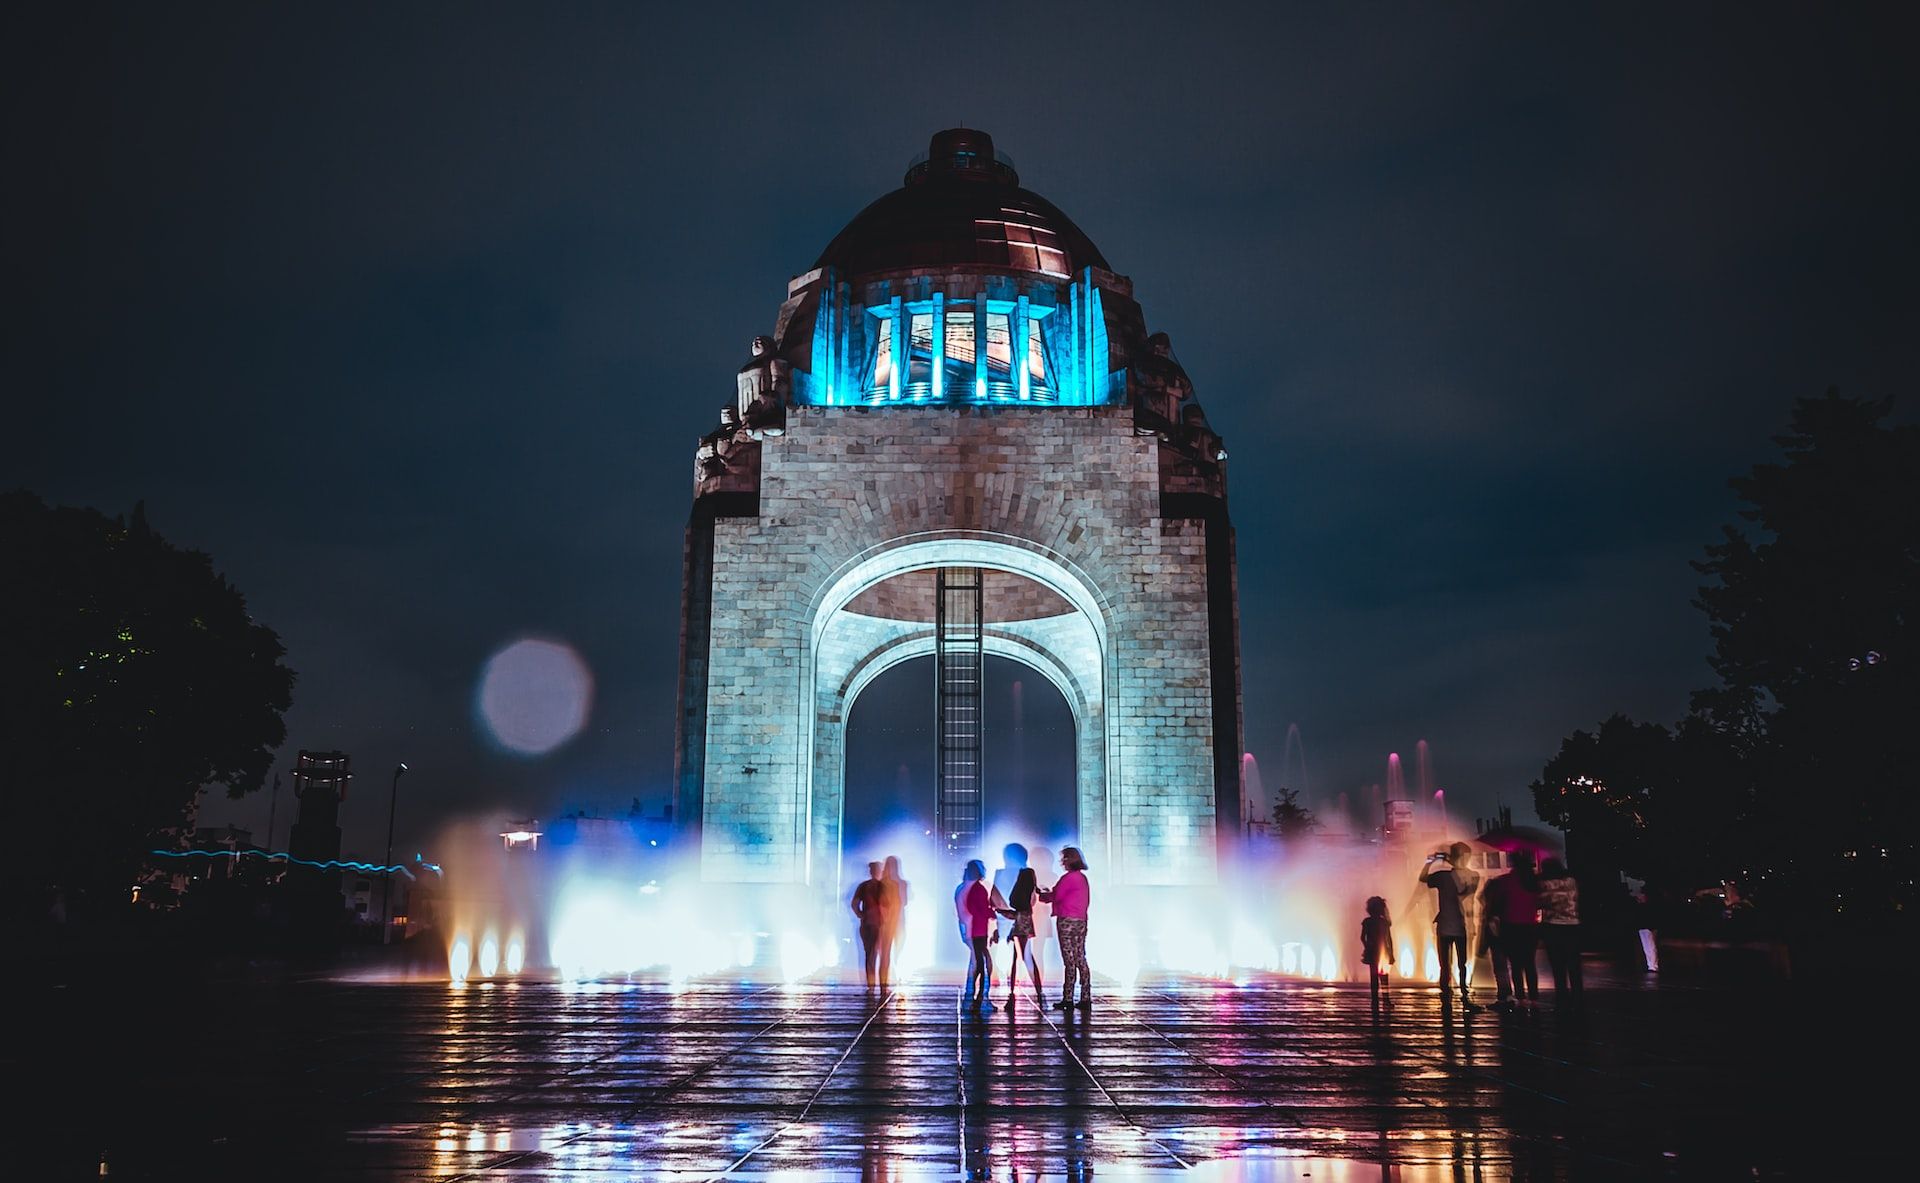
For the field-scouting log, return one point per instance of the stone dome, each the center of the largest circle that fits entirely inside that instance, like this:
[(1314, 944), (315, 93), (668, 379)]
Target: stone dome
[(962, 208)]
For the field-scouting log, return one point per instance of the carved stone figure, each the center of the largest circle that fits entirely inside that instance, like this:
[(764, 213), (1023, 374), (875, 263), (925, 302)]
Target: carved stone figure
[(762, 382), (1158, 369), (1160, 383)]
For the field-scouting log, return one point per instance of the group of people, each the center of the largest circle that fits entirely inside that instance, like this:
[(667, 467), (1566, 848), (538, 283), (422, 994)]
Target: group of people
[(1015, 907), (1518, 912), (1018, 914)]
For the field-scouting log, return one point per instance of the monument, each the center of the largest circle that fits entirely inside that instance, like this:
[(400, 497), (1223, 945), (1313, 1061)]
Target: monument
[(960, 440)]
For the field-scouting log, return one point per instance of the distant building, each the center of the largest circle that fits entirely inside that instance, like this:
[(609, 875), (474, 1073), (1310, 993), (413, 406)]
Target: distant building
[(1396, 827), (320, 783), (522, 834)]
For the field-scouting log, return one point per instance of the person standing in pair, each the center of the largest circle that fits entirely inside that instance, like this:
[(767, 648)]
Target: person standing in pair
[(894, 897), (1019, 909), (1376, 944), (1513, 912), (869, 911), (973, 907), (1013, 860), (1045, 866), (1560, 926), (1070, 897), (1455, 888)]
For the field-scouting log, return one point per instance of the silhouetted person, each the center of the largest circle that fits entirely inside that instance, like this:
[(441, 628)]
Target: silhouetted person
[(1454, 885), (1044, 866), (1560, 928), (897, 893), (1376, 945), (1513, 927), (1019, 913), (973, 907), (869, 910), (1013, 859), (1070, 897)]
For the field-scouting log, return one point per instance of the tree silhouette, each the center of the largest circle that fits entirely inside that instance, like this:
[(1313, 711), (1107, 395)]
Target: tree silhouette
[(1792, 775), (131, 678), (1290, 818), (1813, 608)]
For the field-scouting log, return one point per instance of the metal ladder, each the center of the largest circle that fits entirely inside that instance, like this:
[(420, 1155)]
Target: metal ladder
[(959, 808)]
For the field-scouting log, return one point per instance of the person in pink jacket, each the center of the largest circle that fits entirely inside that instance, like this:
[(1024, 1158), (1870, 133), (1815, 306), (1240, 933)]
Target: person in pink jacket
[(1069, 897), (973, 908)]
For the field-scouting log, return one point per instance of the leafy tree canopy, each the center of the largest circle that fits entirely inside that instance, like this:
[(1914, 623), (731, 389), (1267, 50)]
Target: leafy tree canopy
[(1602, 786), (132, 677), (1813, 611), (1290, 818), (1793, 774)]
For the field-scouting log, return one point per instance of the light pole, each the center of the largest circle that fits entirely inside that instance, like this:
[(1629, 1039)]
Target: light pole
[(386, 868)]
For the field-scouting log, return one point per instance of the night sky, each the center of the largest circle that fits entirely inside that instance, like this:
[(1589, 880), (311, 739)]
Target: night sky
[(411, 315)]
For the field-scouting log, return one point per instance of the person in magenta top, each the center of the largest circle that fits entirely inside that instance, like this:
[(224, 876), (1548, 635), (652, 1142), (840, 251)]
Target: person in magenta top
[(1069, 897), (973, 907)]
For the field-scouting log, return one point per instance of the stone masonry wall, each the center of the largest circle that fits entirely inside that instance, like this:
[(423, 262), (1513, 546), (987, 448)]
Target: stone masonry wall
[(1078, 485)]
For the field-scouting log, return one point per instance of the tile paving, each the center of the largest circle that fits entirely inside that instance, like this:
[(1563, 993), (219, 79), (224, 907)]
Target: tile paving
[(330, 1076)]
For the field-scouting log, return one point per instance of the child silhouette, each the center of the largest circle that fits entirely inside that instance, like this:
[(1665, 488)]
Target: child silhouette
[(1376, 944)]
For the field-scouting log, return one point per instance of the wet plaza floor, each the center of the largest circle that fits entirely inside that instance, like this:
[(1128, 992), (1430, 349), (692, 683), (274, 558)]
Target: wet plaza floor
[(324, 1076)]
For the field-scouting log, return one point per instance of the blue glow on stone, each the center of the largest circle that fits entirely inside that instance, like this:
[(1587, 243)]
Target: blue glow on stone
[(1066, 324)]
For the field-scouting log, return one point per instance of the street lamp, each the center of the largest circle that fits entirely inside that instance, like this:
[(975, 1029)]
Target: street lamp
[(386, 868)]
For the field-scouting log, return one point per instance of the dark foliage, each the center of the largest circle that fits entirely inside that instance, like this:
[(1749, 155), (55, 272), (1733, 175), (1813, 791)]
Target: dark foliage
[(1290, 818), (1813, 613), (131, 677), (1793, 776)]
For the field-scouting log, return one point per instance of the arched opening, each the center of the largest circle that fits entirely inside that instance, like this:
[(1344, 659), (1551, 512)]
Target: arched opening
[(875, 613), (1032, 776)]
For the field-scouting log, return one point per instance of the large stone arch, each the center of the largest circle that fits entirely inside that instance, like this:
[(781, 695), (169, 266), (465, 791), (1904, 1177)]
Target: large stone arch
[(854, 510), (1055, 662), (846, 651)]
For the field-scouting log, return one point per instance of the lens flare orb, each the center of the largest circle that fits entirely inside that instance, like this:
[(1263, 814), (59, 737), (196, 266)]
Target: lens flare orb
[(534, 696)]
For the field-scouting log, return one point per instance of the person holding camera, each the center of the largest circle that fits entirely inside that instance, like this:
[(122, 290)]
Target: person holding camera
[(1455, 887)]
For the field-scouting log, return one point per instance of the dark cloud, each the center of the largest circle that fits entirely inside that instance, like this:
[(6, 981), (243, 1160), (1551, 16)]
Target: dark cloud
[(411, 315)]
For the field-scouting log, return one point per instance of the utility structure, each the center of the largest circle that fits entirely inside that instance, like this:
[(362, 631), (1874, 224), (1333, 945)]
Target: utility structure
[(960, 440), (386, 868), (320, 784)]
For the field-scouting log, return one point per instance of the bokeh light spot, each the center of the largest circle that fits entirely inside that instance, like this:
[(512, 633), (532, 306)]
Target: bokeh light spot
[(534, 696)]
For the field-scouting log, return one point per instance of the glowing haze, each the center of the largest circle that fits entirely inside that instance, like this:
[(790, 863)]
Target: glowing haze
[(614, 910)]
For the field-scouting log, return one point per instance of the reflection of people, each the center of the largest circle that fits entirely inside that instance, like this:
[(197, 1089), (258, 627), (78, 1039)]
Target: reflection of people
[(1560, 926), (1070, 897), (973, 907), (1019, 913), (869, 909), (893, 915), (1376, 944), (1453, 884)]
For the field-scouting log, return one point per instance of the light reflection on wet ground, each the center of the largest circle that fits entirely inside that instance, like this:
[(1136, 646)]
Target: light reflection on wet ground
[(1179, 1077)]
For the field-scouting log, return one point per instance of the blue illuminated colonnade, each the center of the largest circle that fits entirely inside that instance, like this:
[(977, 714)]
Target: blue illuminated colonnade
[(919, 342)]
